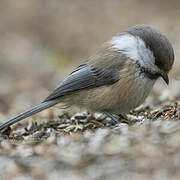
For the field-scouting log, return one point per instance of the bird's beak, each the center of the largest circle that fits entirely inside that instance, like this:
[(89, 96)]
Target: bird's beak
[(165, 77)]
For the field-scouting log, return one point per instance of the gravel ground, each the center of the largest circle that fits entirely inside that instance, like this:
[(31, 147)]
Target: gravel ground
[(91, 146), (41, 42)]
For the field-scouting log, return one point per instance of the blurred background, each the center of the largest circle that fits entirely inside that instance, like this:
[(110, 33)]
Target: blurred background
[(42, 41)]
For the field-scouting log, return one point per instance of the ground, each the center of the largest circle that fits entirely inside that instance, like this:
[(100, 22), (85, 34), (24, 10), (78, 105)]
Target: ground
[(41, 42), (91, 146)]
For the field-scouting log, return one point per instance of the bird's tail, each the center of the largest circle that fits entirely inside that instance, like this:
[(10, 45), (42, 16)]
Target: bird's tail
[(34, 110)]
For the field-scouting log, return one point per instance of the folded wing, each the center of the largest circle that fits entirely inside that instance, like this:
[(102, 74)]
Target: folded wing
[(89, 75)]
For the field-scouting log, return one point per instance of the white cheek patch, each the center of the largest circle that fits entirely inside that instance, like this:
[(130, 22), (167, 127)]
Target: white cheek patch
[(126, 44), (134, 48)]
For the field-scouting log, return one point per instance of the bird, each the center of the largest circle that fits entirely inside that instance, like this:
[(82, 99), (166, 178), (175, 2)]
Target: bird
[(117, 78)]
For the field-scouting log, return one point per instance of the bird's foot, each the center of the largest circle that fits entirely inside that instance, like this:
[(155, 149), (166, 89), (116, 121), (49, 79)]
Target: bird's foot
[(123, 118), (114, 119)]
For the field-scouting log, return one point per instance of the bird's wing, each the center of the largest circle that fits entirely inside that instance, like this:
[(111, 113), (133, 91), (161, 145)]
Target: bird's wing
[(88, 75)]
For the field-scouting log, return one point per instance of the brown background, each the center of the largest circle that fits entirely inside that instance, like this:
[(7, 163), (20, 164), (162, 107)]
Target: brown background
[(41, 41)]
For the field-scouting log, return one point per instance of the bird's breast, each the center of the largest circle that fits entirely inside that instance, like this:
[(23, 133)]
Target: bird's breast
[(121, 97)]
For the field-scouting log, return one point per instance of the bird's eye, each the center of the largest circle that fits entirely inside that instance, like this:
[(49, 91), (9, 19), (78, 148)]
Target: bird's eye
[(157, 74), (152, 75)]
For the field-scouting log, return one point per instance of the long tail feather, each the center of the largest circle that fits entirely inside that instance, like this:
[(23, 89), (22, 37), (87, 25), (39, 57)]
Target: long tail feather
[(28, 113)]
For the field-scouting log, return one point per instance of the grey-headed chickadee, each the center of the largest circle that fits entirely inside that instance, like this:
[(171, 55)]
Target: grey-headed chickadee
[(117, 78)]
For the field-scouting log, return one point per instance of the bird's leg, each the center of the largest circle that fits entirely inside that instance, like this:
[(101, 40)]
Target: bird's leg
[(124, 118), (111, 116)]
